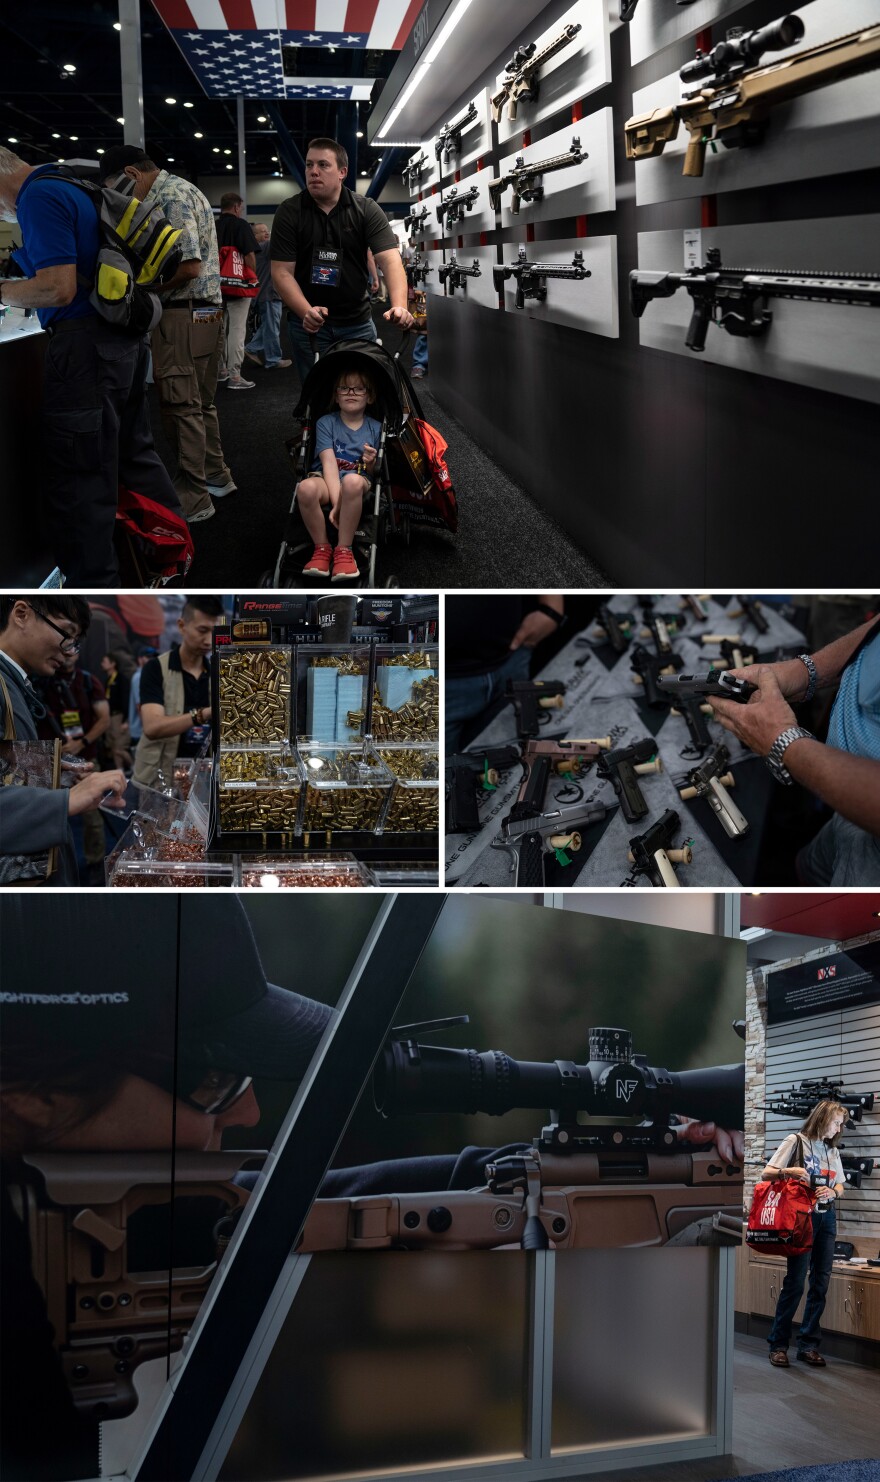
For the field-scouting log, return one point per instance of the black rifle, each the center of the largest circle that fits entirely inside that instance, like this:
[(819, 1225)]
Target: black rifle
[(855, 1169), (415, 221), (750, 607), (628, 8), (453, 275), (468, 774), (412, 173), (649, 669), (799, 1101), (454, 206), (531, 277), (651, 853), (614, 628), (521, 80), (524, 177), (716, 684), (417, 270), (448, 141), (529, 697), (623, 767), (710, 780), (736, 298)]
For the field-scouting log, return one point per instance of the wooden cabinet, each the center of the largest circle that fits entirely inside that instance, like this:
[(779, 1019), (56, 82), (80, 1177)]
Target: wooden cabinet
[(853, 1305)]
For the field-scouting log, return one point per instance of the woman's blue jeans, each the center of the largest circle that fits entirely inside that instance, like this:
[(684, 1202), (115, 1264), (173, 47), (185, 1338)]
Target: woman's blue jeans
[(817, 1261), (469, 696)]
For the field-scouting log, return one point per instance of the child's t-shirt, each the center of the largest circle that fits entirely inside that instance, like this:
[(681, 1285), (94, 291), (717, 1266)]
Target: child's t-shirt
[(347, 443)]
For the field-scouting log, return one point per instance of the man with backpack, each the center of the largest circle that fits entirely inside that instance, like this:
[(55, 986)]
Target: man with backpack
[(96, 431), (319, 246), (188, 340)]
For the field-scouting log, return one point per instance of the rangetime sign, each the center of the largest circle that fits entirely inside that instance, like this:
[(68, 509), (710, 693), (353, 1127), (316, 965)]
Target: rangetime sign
[(824, 984)]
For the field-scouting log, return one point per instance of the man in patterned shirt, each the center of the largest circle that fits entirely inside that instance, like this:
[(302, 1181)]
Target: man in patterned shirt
[(187, 341)]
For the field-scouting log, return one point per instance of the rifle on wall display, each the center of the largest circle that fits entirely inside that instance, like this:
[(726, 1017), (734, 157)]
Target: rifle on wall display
[(454, 206), (628, 8), (415, 221), (448, 140), (453, 274), (735, 298), (525, 178), (734, 95), (531, 277), (412, 173), (417, 270), (522, 74)]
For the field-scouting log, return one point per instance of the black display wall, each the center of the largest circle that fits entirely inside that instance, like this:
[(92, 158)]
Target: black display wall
[(669, 470)]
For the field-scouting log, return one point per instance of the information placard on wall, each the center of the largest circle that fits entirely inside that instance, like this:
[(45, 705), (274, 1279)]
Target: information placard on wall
[(824, 985)]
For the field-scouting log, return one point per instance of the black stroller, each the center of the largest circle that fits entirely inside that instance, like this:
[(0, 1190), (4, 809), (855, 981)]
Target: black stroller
[(381, 521)]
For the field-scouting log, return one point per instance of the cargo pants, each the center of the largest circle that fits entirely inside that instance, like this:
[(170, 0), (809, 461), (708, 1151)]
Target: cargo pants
[(186, 363)]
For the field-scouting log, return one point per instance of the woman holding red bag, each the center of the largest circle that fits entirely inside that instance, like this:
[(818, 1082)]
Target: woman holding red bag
[(822, 1169)]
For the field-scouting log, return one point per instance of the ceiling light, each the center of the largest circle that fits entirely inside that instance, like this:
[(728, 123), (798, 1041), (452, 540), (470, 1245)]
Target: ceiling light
[(364, 172), (754, 933), (117, 25), (189, 105), (433, 52), (74, 138), (170, 159), (359, 134), (197, 135), (170, 100), (216, 149), (68, 67), (11, 141), (261, 118), (274, 159), (227, 151), (56, 136), (229, 167), (120, 120), (99, 151)]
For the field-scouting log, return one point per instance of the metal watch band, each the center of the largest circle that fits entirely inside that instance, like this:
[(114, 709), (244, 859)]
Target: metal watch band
[(774, 756), (813, 676)]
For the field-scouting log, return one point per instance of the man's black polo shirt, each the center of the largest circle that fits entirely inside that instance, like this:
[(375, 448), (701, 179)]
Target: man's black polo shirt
[(196, 692), (301, 229)]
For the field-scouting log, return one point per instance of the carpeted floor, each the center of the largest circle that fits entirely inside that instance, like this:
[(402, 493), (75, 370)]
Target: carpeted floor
[(840, 1471), (504, 539)]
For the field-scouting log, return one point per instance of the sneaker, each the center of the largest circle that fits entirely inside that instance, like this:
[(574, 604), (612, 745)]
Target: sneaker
[(217, 491), (257, 359), (280, 365), (319, 565), (240, 384), (223, 376), (201, 514), (345, 567), (417, 373)]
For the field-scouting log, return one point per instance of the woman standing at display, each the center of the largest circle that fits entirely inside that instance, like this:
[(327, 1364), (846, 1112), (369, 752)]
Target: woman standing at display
[(810, 1155)]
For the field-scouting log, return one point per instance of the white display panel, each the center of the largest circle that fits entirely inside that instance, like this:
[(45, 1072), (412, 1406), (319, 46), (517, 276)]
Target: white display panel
[(660, 23), (575, 190), (427, 230), (480, 217), (579, 69), (432, 283), (479, 290), (430, 174), (589, 303), (827, 132), (833, 346), (476, 137)]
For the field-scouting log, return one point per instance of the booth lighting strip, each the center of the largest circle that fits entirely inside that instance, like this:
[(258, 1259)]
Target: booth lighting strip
[(433, 52)]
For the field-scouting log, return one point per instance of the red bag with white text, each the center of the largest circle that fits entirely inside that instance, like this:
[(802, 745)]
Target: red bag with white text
[(237, 280), (780, 1219)]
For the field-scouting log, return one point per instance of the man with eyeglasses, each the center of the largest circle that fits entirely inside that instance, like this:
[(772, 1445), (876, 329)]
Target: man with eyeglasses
[(36, 634)]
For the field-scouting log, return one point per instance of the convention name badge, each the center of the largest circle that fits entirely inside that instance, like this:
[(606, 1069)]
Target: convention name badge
[(326, 267), (72, 725)]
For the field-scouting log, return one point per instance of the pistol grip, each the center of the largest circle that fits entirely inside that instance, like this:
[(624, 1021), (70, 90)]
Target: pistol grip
[(695, 156), (530, 863)]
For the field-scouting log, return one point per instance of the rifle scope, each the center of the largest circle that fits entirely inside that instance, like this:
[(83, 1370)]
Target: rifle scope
[(744, 49), (413, 1077)]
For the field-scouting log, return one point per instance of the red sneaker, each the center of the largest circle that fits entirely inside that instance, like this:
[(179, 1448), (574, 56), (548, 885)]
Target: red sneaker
[(319, 565), (345, 567)]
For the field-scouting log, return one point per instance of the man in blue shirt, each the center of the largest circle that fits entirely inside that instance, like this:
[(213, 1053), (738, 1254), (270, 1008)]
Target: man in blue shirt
[(96, 424)]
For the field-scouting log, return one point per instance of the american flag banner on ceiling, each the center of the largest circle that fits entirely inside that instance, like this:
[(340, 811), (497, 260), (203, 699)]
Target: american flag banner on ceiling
[(234, 47)]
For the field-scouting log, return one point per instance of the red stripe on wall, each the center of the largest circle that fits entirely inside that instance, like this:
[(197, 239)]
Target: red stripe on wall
[(530, 233), (301, 14), (239, 15), (360, 15), (407, 23), (708, 211), (527, 138), (577, 111), (176, 14), (581, 223), (704, 40)]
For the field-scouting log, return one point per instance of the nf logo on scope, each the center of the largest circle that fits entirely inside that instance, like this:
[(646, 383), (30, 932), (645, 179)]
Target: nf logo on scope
[(625, 1089)]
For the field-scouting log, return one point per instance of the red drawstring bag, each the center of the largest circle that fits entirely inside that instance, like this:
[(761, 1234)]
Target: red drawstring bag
[(159, 541), (780, 1219), (420, 481), (237, 280)]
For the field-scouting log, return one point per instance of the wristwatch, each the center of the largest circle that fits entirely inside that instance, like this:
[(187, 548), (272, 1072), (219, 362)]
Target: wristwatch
[(774, 756), (550, 612), (195, 715), (812, 677)]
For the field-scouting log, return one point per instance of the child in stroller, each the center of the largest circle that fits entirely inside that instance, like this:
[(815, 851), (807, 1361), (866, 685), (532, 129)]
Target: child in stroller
[(346, 447)]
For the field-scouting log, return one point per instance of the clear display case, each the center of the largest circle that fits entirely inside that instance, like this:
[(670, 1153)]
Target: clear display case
[(150, 870), (331, 692), (254, 693), (346, 788), (258, 790), (299, 872), (414, 805), (406, 697)]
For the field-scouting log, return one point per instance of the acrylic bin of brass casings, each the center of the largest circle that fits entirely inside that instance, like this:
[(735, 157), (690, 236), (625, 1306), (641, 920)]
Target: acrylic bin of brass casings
[(406, 695), (301, 872), (254, 694), (331, 692), (394, 874), (140, 871), (145, 838), (346, 790), (414, 804), (258, 790)]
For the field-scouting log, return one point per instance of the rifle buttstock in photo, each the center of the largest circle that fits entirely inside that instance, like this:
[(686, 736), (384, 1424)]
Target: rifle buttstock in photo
[(734, 95)]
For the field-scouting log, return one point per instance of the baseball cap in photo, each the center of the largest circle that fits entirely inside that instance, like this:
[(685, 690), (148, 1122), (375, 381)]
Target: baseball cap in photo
[(124, 973)]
